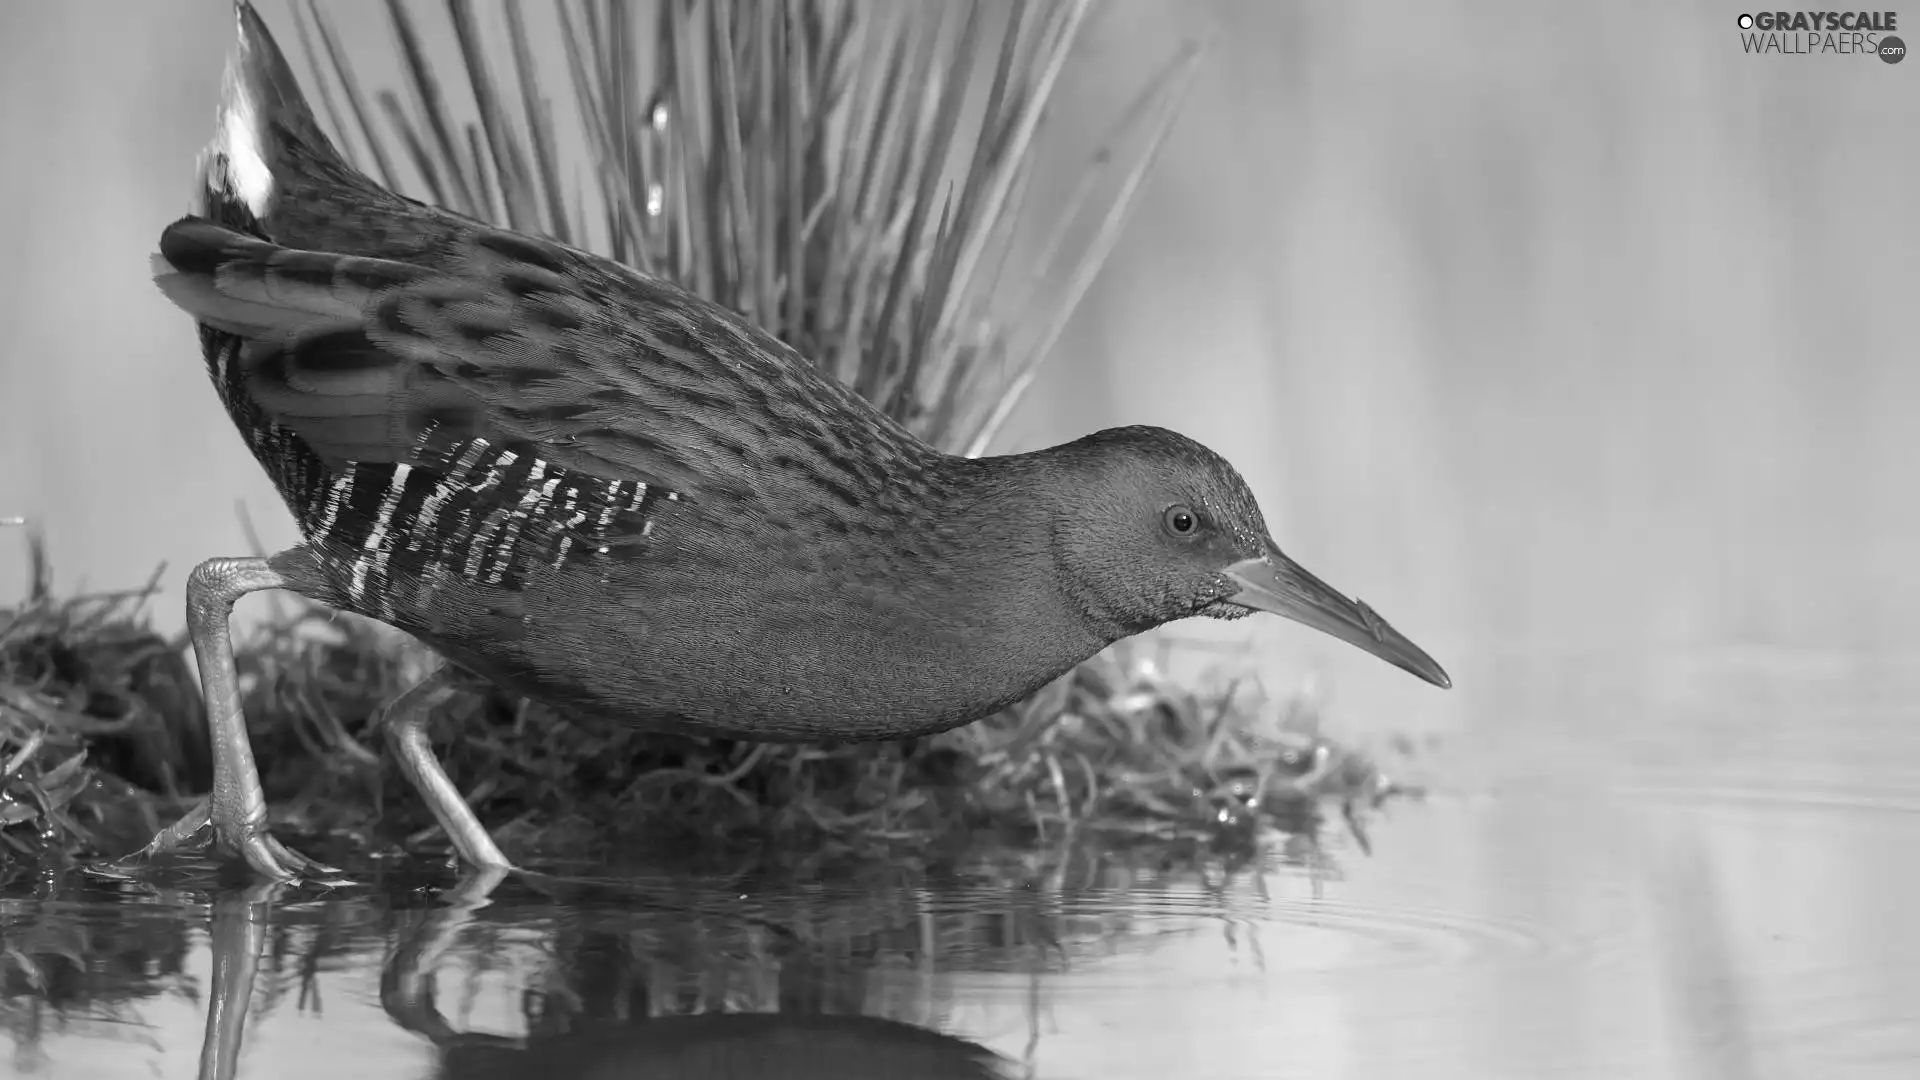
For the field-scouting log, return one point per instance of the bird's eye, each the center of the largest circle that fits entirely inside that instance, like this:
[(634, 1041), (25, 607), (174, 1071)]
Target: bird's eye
[(1180, 520)]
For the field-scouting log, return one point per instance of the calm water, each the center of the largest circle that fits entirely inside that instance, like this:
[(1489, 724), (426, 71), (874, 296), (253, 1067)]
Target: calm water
[(1640, 867)]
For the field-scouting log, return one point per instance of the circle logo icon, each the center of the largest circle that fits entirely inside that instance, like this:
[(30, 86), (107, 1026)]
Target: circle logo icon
[(1746, 22), (1892, 49)]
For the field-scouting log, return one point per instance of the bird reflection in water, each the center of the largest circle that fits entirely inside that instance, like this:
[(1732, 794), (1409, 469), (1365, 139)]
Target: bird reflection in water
[(797, 1043)]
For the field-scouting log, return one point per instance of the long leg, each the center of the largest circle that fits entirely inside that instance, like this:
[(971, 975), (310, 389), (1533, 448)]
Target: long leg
[(406, 725), (237, 809)]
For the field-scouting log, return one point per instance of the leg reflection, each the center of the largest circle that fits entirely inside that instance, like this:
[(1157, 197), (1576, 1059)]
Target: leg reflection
[(816, 1035), (237, 937), (406, 982)]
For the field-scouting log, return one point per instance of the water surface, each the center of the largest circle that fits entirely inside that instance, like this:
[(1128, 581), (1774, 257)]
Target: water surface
[(1697, 866)]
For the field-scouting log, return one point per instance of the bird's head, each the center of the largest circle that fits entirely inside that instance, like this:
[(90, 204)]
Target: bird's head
[(1151, 526)]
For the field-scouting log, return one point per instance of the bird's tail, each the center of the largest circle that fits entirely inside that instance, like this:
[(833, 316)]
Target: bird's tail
[(267, 144)]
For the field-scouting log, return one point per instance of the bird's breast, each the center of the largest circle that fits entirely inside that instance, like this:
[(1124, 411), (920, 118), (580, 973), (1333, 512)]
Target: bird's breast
[(769, 648)]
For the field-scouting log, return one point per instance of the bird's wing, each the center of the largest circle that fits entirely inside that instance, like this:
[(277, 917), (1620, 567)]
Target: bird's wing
[(520, 342)]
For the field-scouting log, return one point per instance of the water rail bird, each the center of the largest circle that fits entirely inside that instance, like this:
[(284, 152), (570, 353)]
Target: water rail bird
[(599, 490)]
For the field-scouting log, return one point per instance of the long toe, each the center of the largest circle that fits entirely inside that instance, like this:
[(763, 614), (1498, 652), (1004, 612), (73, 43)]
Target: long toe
[(188, 833), (273, 860), (307, 869), (236, 834)]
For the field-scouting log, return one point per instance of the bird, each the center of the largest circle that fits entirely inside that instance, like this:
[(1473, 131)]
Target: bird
[(599, 490)]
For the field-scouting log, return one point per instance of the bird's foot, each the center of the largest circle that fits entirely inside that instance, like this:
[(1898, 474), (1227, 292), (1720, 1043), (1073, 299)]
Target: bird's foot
[(230, 835)]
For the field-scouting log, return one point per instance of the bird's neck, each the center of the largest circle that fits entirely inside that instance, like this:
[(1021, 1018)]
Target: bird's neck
[(947, 602), (996, 524)]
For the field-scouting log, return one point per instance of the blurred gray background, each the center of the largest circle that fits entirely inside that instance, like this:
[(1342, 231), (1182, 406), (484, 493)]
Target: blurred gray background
[(1538, 325), (1569, 335)]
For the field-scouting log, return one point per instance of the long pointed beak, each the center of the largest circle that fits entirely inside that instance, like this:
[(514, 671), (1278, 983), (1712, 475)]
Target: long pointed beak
[(1283, 587)]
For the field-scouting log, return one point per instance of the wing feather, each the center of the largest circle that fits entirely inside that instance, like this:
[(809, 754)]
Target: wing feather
[(367, 358)]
